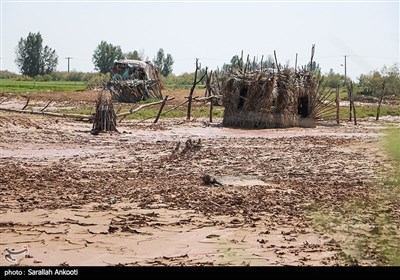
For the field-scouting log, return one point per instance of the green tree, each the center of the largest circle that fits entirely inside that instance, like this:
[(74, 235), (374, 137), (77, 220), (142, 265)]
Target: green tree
[(32, 59), (105, 55), (314, 67), (167, 67), (372, 83), (159, 59), (164, 63), (132, 55), (237, 62), (333, 80)]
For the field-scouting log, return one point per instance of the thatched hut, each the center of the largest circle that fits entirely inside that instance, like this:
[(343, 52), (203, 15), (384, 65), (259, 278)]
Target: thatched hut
[(134, 80), (269, 99)]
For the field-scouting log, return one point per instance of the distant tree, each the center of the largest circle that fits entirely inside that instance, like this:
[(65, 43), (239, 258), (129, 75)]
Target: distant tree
[(135, 55), (234, 63), (159, 59), (105, 55), (314, 67), (372, 83), (333, 79), (237, 62), (167, 67), (164, 63), (32, 59)]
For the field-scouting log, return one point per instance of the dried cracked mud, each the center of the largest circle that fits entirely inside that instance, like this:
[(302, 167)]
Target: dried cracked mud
[(137, 197)]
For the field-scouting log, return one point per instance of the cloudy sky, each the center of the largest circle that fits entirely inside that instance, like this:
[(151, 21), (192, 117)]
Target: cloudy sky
[(368, 32)]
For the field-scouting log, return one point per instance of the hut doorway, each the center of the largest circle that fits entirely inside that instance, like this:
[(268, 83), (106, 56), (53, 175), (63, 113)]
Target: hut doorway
[(242, 97), (302, 106)]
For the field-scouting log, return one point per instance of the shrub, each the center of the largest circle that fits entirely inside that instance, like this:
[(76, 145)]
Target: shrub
[(8, 75), (24, 78), (98, 80)]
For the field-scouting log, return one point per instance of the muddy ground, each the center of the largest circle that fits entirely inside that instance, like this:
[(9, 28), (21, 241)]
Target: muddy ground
[(137, 197)]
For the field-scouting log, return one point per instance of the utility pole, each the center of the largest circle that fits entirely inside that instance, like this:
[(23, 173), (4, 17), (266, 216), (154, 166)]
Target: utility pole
[(348, 91), (68, 57)]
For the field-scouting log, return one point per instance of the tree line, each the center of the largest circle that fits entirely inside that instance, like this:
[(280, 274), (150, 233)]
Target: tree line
[(35, 60)]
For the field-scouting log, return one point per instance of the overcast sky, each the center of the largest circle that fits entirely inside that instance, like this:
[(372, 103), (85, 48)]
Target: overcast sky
[(367, 32)]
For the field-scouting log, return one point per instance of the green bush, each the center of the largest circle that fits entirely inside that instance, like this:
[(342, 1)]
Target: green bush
[(8, 75), (43, 78), (182, 81), (98, 80), (23, 78)]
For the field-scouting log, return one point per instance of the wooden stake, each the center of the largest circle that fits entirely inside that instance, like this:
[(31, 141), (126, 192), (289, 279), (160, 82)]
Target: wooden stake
[(26, 104), (5, 99), (276, 61), (47, 105), (132, 111), (378, 110), (195, 82), (161, 108), (211, 109), (337, 106), (352, 107), (74, 116), (312, 56)]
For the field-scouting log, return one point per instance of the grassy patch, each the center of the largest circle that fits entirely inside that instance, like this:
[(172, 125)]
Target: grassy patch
[(365, 111), (368, 229), (342, 94), (392, 144), (12, 86)]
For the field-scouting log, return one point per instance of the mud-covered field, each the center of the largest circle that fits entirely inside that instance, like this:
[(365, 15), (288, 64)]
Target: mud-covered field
[(137, 197)]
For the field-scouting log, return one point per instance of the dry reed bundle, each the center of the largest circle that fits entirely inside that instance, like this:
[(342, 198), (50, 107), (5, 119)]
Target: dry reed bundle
[(265, 99), (105, 118)]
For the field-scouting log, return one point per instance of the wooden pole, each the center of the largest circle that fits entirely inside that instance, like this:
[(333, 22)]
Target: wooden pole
[(195, 82), (295, 64), (75, 116), (276, 61), (241, 61), (26, 104), (354, 112), (352, 102), (349, 92), (161, 108), (47, 105), (337, 105), (312, 56), (211, 109), (189, 110), (134, 110), (165, 112), (378, 110)]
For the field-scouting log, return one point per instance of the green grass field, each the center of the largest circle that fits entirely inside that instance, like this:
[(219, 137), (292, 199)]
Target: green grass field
[(12, 86), (392, 144)]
